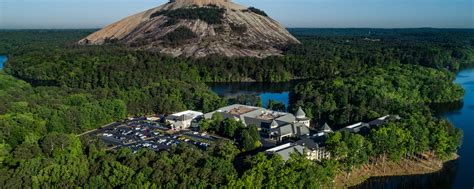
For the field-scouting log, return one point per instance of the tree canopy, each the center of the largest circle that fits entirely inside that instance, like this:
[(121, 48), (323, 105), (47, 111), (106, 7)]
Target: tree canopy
[(51, 89)]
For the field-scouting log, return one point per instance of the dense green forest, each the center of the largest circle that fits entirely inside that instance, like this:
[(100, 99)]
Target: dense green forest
[(28, 113), (210, 14), (257, 11), (178, 36), (248, 138), (52, 89), (392, 89), (408, 138)]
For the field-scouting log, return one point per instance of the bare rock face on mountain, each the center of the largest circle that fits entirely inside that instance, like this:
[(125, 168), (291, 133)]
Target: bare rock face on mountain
[(198, 28)]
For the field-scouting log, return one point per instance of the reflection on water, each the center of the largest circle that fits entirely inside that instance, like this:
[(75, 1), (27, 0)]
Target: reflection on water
[(3, 59), (439, 180), (469, 83), (266, 91), (234, 89), (445, 109)]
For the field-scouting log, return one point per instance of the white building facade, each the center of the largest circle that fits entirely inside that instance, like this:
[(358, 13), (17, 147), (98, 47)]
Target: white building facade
[(184, 120)]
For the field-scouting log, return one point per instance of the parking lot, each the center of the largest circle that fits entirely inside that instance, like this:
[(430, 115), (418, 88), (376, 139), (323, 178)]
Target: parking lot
[(167, 142), (137, 134)]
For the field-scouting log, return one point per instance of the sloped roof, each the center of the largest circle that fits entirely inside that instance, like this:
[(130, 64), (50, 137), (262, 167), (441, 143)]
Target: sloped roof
[(301, 129), (308, 143), (294, 129), (274, 124), (300, 113), (286, 129), (286, 152), (326, 128), (288, 118)]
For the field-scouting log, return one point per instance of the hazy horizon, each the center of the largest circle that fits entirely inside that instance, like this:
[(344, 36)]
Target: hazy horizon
[(383, 14)]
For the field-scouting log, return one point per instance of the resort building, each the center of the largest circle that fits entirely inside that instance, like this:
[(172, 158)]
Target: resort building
[(301, 117), (357, 128), (184, 120), (326, 129), (276, 125), (364, 128), (315, 149), (306, 147), (291, 130), (286, 150)]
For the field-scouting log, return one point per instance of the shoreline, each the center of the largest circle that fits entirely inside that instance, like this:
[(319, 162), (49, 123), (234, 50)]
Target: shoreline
[(405, 167), (3, 60), (250, 80)]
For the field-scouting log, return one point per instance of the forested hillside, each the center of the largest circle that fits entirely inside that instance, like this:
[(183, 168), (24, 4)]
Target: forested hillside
[(51, 90)]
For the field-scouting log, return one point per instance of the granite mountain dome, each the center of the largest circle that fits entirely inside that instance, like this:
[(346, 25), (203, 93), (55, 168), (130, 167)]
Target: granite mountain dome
[(198, 28)]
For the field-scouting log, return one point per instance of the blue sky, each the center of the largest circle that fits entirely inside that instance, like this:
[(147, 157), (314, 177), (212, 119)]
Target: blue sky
[(47, 14)]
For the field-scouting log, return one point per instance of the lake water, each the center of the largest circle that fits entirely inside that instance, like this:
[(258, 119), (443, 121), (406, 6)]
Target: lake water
[(457, 174), (3, 59), (266, 91), (464, 119)]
